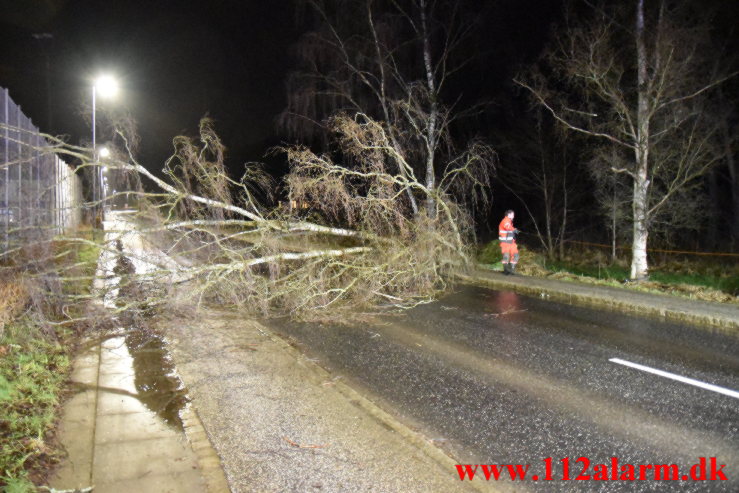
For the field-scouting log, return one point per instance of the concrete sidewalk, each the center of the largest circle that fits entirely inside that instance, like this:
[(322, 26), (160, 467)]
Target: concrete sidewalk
[(114, 443), (722, 317)]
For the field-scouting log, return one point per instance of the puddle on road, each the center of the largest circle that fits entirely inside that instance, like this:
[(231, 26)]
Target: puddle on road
[(129, 399), (154, 375), (155, 378), (143, 369)]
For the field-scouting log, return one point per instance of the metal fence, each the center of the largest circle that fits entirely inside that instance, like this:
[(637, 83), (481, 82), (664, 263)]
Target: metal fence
[(40, 194)]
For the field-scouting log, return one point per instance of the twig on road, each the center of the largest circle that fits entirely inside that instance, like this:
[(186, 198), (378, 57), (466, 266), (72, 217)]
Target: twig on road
[(298, 445), (507, 311)]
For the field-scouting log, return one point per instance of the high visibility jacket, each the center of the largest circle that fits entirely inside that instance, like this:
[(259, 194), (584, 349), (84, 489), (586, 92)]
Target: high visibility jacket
[(505, 230)]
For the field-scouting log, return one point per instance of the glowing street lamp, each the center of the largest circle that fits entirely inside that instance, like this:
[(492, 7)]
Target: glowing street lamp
[(107, 87)]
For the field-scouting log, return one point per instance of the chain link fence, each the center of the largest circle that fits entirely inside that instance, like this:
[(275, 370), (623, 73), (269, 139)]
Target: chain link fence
[(40, 194)]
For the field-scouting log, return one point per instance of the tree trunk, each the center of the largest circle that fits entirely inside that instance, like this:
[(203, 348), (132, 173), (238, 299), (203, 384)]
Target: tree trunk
[(639, 267), (712, 233), (431, 130), (613, 223), (733, 181), (735, 197), (564, 217), (384, 103), (430, 185)]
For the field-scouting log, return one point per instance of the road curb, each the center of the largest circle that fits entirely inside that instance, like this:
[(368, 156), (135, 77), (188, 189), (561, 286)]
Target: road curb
[(712, 316), (208, 460), (418, 440)]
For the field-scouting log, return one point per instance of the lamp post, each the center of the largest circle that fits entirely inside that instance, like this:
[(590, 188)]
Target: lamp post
[(107, 86), (103, 153)]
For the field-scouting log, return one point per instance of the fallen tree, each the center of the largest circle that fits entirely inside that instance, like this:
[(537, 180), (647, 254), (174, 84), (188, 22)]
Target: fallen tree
[(352, 243)]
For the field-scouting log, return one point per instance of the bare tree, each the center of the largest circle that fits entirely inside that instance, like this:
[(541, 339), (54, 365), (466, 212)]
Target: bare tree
[(392, 63), (202, 237), (639, 80)]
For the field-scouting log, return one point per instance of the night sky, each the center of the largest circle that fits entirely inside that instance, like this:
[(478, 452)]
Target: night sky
[(176, 62), (180, 60)]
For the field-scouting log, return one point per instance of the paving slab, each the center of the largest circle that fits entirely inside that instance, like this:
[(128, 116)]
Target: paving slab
[(114, 428), (185, 482), (114, 442), (137, 459), (76, 432)]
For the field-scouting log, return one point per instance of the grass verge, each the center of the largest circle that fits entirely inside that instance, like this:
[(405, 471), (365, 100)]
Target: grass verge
[(695, 279), (35, 356), (33, 370)]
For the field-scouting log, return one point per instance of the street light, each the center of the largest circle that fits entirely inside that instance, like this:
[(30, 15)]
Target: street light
[(107, 86), (103, 153)]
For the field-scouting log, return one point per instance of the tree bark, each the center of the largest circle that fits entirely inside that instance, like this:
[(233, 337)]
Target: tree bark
[(431, 130), (712, 226), (639, 266), (733, 180), (385, 105), (613, 224), (563, 229)]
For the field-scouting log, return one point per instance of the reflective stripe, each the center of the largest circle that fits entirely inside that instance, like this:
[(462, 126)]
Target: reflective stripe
[(505, 231)]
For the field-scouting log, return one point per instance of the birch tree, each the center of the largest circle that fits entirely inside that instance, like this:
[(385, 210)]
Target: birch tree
[(391, 61), (638, 79), (199, 236)]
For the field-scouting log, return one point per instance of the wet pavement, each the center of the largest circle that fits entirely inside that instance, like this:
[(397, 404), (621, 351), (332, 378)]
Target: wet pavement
[(128, 426), (123, 428), (500, 377)]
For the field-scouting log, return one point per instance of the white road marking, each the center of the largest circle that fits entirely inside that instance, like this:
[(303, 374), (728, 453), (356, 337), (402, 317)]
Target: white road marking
[(689, 381)]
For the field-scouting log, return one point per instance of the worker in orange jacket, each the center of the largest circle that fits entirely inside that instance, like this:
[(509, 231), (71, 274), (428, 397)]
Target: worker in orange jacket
[(507, 236)]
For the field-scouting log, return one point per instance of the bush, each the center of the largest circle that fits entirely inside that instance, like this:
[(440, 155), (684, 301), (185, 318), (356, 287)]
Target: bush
[(490, 253), (14, 297), (530, 262)]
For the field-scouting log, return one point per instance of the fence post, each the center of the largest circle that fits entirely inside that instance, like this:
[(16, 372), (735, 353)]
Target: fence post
[(6, 156), (19, 164), (37, 161), (57, 196)]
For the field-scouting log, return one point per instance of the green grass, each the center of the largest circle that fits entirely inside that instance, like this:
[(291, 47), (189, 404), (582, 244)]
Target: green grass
[(34, 365), (490, 253), (728, 285), (706, 279), (530, 262), (33, 370), (719, 281), (77, 280), (599, 272)]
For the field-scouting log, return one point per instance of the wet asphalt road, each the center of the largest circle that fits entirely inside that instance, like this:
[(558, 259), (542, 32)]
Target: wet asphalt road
[(502, 378)]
